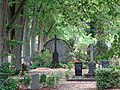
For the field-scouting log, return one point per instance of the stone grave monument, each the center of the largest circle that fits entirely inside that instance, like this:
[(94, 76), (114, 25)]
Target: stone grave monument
[(35, 85), (105, 63), (78, 68), (92, 64), (60, 49)]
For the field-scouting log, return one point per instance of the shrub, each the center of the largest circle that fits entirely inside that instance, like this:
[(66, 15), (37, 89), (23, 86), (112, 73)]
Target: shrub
[(42, 60), (7, 69), (9, 84), (116, 67), (43, 80), (50, 80), (107, 78)]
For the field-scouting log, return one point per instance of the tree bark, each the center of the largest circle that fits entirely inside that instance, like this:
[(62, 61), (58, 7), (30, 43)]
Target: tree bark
[(3, 36), (17, 50), (26, 41), (33, 33)]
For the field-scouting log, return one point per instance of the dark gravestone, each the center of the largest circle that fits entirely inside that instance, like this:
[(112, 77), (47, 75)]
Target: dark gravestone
[(62, 48), (92, 64), (55, 62), (105, 63), (92, 67), (78, 69)]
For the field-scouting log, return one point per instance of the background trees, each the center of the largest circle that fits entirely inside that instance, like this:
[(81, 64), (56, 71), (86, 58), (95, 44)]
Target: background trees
[(22, 20)]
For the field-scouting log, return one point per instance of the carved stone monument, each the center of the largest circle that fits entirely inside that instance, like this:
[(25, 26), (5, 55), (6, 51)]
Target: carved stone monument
[(55, 62), (61, 47), (92, 64), (35, 85)]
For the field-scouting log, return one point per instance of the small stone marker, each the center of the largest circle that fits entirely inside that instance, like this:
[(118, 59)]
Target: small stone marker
[(35, 85), (105, 63)]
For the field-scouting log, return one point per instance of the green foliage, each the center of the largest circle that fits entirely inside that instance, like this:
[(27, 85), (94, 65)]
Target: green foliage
[(43, 78), (50, 80), (115, 48), (70, 65), (67, 74), (115, 67), (14, 42), (101, 50), (26, 80), (7, 69), (42, 60), (9, 84), (107, 78)]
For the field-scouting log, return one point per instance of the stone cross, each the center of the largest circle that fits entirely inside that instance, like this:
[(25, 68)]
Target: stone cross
[(91, 52), (60, 46), (92, 64), (55, 62)]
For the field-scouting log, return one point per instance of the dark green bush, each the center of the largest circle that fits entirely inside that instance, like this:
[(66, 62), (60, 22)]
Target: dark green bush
[(107, 78), (26, 80), (6, 82), (9, 84), (43, 80), (42, 60), (7, 69), (50, 80), (116, 67)]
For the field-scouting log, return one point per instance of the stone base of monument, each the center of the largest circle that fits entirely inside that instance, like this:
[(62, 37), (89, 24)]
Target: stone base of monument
[(81, 78), (89, 75)]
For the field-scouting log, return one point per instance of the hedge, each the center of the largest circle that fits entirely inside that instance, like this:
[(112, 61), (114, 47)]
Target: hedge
[(107, 78)]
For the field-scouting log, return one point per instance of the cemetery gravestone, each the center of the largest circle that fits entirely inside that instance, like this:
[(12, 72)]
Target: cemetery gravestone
[(92, 64), (78, 69), (35, 85), (105, 63), (62, 49), (92, 67)]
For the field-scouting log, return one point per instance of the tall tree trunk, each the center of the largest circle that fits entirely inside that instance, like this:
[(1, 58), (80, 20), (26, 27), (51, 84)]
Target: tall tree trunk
[(18, 37), (33, 33), (3, 36), (40, 37), (26, 41)]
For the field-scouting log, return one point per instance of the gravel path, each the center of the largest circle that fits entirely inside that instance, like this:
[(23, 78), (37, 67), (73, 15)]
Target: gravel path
[(76, 85), (68, 85)]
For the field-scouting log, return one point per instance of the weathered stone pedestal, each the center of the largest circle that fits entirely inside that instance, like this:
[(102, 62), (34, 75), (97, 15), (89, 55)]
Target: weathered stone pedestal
[(35, 85), (92, 67)]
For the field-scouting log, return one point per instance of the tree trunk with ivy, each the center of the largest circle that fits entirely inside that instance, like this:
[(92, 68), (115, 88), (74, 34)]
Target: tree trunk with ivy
[(3, 35), (17, 49)]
